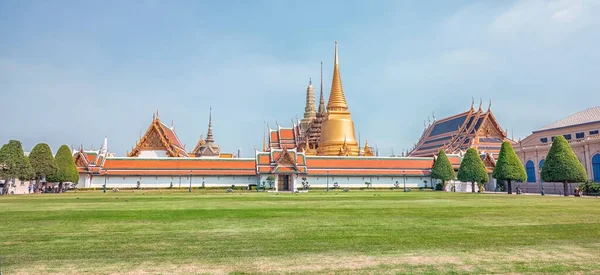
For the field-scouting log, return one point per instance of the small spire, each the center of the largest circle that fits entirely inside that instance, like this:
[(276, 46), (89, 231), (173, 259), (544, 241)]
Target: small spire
[(321, 98), (310, 81), (209, 134), (428, 120), (433, 115), (480, 103), (265, 137), (472, 102), (153, 116), (157, 113), (490, 105)]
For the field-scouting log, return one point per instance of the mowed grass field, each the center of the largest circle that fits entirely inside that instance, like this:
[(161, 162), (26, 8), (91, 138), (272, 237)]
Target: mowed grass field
[(375, 232)]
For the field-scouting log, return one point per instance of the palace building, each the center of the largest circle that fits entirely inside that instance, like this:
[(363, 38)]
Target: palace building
[(581, 130), (320, 150)]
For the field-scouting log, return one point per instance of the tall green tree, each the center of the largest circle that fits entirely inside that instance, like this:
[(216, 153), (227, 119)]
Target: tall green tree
[(442, 169), (508, 167), (66, 168), (42, 161), (13, 162), (562, 165), (27, 172), (472, 169)]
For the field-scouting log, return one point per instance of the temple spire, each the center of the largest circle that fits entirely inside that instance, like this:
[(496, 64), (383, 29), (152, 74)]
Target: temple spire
[(321, 97), (104, 148), (337, 100), (209, 134), (310, 110), (490, 105), (265, 138)]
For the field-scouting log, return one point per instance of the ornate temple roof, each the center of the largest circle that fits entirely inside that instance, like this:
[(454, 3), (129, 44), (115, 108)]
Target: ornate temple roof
[(589, 115), (159, 136), (284, 138), (473, 128)]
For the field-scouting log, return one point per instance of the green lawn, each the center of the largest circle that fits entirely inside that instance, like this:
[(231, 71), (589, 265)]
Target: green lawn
[(356, 232)]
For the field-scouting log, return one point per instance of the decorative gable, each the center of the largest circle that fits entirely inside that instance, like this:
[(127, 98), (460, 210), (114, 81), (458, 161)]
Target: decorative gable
[(159, 137), (80, 160), (489, 128), (286, 159)]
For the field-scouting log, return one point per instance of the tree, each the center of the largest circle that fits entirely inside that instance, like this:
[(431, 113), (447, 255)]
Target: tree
[(42, 161), (442, 169), (472, 169), (27, 172), (270, 180), (13, 162), (562, 165), (66, 169), (508, 167)]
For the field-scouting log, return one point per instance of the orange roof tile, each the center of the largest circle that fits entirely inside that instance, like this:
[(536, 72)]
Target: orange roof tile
[(180, 164), (368, 163)]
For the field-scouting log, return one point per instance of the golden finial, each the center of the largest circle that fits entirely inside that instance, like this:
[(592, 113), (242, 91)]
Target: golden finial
[(321, 98), (337, 100)]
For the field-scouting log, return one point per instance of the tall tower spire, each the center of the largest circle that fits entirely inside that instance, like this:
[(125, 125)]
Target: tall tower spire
[(337, 129), (310, 111), (321, 97), (209, 134), (265, 139), (337, 100)]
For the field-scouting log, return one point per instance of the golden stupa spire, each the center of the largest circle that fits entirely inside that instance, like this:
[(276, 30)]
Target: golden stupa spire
[(337, 130), (337, 100)]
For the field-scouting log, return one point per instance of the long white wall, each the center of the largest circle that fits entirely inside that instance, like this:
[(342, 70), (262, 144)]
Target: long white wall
[(359, 181), (165, 181), (211, 181)]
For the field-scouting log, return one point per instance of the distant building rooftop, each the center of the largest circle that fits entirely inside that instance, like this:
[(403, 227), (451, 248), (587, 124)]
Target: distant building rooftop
[(583, 117)]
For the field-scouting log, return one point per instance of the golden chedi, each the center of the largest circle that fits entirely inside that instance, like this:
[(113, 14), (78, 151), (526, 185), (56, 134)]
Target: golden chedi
[(337, 131)]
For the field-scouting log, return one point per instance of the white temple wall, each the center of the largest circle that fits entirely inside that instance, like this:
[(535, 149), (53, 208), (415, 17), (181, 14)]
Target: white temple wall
[(223, 181), (359, 181), (165, 181)]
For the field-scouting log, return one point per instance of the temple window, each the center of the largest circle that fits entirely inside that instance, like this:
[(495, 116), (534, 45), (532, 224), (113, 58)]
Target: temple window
[(595, 132), (567, 136), (552, 138), (544, 140), (580, 135)]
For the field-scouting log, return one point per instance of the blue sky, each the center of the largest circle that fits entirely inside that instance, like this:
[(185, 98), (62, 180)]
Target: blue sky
[(72, 72)]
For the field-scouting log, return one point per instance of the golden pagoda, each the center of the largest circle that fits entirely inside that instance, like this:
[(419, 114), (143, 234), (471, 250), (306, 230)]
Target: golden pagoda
[(337, 131)]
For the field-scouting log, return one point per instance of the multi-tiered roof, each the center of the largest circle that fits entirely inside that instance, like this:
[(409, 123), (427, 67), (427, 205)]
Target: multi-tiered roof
[(471, 129)]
